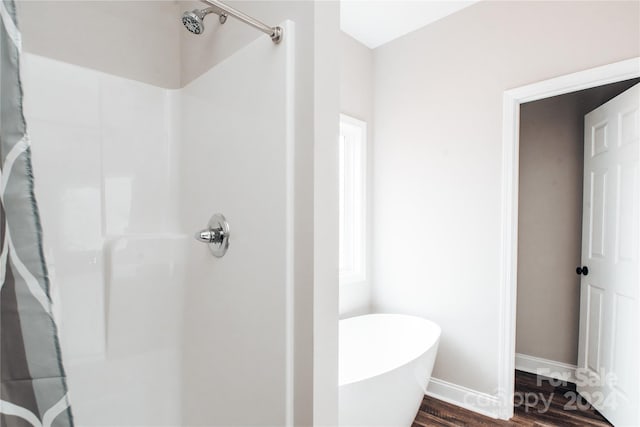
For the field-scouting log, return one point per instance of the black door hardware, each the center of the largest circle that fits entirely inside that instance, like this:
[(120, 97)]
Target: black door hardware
[(582, 270)]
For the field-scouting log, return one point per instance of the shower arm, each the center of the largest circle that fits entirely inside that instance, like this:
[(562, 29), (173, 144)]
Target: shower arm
[(274, 32)]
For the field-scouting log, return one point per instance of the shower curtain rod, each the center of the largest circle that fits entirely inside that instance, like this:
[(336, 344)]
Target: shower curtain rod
[(274, 32)]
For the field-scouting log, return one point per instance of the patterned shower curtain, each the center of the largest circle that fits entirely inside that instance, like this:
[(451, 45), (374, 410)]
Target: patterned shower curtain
[(33, 390)]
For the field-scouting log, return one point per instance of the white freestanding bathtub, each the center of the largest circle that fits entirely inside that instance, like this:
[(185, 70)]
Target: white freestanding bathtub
[(385, 363)]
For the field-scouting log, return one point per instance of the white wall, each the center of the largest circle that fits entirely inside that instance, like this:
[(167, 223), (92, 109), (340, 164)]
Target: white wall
[(356, 100), (325, 216), (437, 158), (102, 163)]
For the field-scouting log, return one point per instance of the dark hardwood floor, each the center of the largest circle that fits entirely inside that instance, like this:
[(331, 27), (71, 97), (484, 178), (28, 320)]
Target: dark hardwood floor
[(537, 403)]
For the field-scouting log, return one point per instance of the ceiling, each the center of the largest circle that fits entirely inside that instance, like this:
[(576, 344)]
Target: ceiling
[(376, 22)]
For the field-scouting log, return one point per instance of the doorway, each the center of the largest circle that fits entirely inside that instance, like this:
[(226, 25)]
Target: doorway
[(513, 99), (550, 219)]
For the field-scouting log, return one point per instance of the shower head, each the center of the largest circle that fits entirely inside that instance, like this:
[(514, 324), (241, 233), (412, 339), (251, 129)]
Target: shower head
[(194, 20)]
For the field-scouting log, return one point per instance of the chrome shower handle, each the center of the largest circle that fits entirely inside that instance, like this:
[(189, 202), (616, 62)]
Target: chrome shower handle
[(210, 236), (216, 235)]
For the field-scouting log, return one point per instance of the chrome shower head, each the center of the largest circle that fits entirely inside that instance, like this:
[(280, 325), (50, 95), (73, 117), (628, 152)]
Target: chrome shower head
[(194, 20)]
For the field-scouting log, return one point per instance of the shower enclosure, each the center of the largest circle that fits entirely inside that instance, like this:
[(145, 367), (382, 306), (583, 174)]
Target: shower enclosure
[(141, 131)]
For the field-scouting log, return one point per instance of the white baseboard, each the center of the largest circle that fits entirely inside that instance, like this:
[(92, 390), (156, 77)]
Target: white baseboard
[(546, 367), (487, 404), (466, 398)]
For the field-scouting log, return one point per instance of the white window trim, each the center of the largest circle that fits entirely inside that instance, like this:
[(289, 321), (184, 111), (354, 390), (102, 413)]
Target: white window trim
[(359, 204)]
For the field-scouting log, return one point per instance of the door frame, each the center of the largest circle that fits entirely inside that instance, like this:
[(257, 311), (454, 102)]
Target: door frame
[(599, 76)]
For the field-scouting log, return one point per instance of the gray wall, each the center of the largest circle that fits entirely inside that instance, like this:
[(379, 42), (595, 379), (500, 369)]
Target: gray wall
[(145, 40), (550, 221), (356, 79), (356, 100), (199, 53), (139, 40)]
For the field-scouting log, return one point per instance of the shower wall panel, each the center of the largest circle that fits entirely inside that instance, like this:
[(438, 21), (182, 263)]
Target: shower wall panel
[(237, 141), (154, 329), (105, 179)]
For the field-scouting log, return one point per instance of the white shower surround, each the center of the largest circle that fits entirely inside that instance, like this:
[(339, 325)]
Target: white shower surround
[(237, 126), (105, 183), (125, 172)]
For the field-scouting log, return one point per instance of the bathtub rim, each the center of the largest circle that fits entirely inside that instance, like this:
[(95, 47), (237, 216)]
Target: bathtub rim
[(433, 343)]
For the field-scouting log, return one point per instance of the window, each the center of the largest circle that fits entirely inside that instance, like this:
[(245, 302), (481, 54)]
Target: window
[(353, 161)]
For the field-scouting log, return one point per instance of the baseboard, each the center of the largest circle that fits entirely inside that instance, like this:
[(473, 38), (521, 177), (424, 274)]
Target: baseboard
[(546, 367), (487, 404), (466, 398)]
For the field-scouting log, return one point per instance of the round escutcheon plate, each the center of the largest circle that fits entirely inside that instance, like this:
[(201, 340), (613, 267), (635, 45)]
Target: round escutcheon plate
[(219, 223)]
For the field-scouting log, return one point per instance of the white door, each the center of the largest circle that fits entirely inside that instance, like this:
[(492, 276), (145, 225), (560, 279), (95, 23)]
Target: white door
[(608, 376)]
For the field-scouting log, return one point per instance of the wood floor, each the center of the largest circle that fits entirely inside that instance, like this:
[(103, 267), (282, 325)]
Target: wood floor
[(435, 412)]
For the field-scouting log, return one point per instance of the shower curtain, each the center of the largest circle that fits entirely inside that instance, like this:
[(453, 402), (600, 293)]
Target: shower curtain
[(33, 390)]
